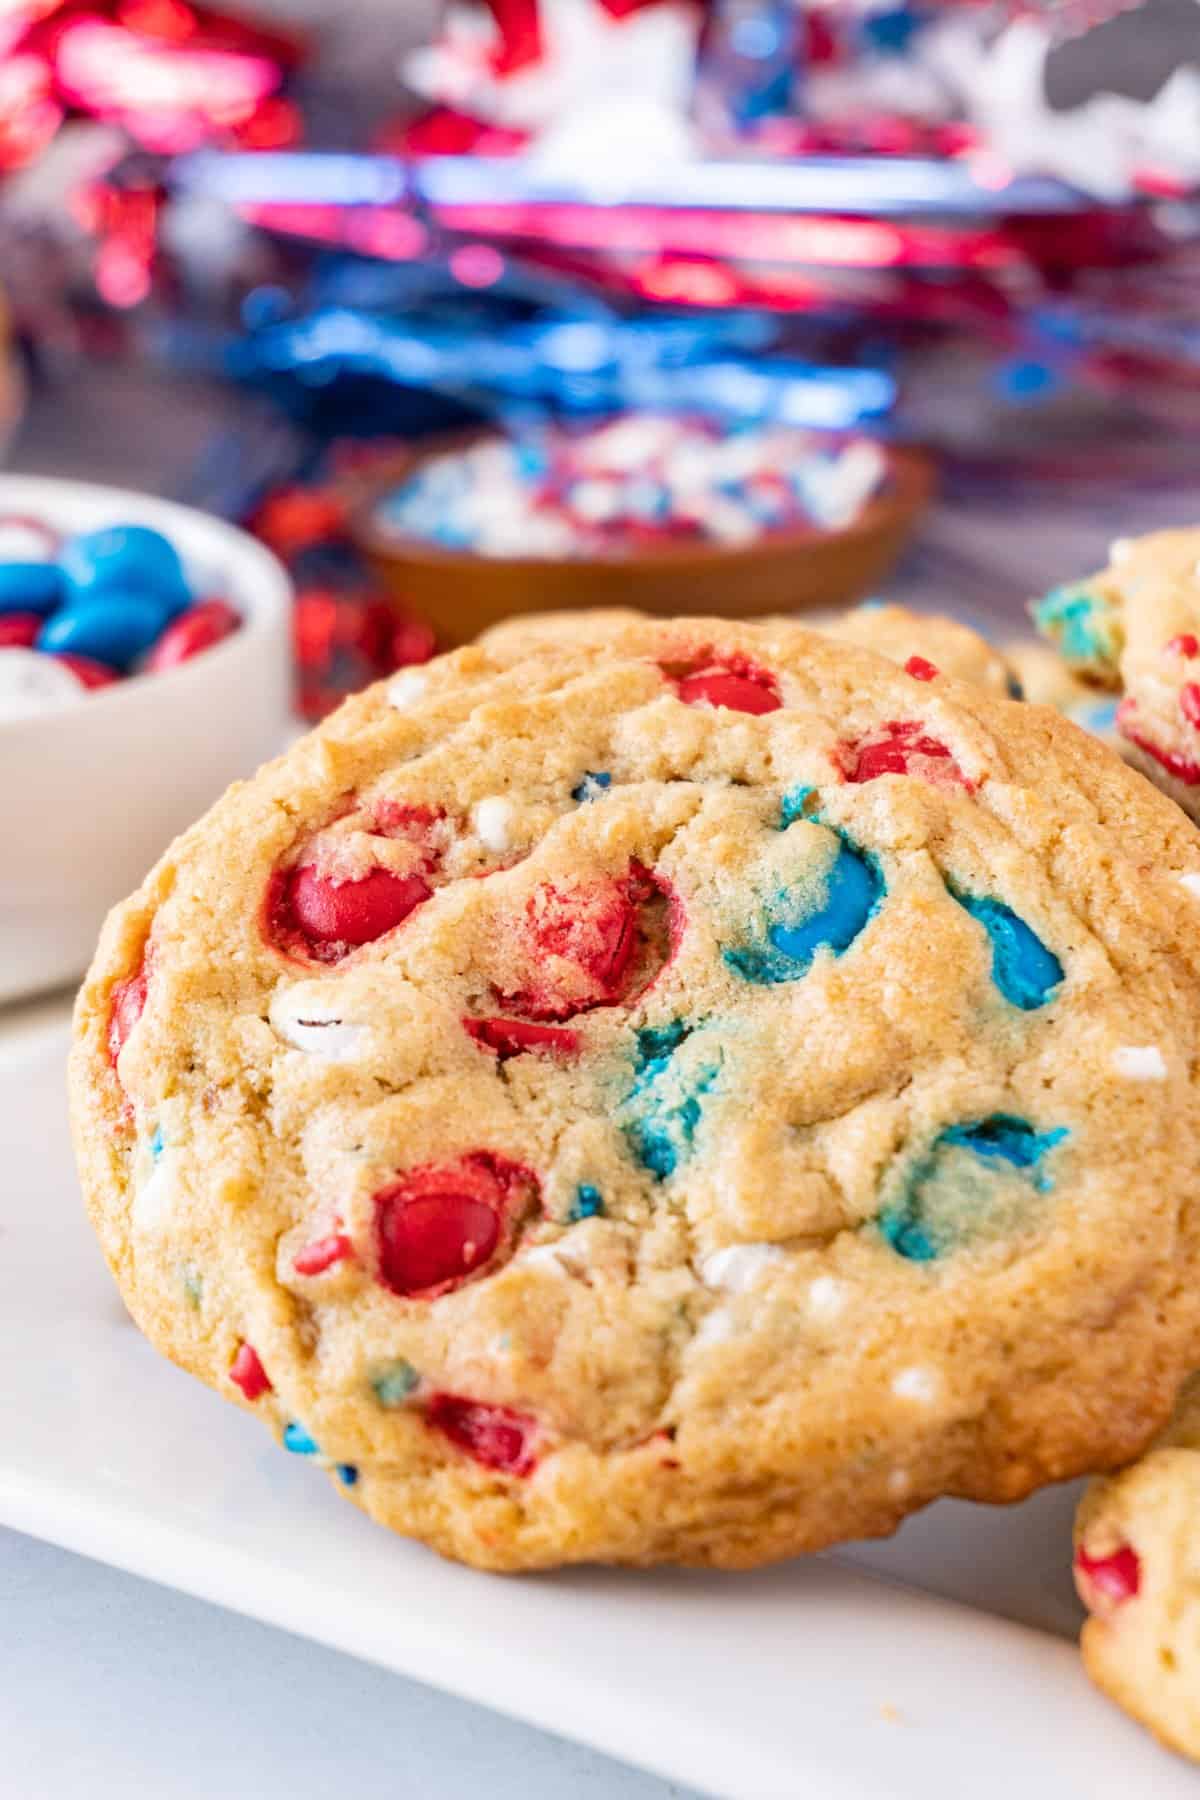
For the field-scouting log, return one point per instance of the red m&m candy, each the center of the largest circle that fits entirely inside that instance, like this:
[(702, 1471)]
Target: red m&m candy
[(443, 1223), (499, 1437), (194, 630)]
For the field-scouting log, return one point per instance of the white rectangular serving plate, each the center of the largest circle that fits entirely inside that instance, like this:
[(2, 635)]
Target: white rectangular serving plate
[(940, 1664)]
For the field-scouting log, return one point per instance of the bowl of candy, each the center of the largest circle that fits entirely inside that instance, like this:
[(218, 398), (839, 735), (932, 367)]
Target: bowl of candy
[(670, 514), (144, 664)]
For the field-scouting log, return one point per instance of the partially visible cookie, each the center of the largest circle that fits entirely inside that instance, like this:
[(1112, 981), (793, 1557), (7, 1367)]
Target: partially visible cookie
[(696, 1096), (900, 634), (1045, 680), (1137, 1568), (896, 632), (1134, 627)]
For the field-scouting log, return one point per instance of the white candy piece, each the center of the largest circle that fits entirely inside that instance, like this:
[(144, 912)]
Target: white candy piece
[(302, 1023), (738, 1267), (1191, 881), (31, 684), (1140, 1062), (918, 1384), (716, 1327), (493, 822), (406, 688), (1119, 550)]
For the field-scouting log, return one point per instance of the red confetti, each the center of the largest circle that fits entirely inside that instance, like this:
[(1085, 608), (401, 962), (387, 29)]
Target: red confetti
[(247, 1373), (920, 669), (1115, 1578)]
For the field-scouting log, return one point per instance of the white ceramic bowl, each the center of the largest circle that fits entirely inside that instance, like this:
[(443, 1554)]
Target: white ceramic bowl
[(92, 793)]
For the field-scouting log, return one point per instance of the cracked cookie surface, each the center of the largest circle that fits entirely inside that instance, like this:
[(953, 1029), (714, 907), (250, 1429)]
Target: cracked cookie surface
[(696, 1099)]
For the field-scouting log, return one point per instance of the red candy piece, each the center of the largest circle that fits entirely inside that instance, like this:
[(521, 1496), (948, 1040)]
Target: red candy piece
[(92, 674), (902, 749), (496, 1436), (445, 1222), (1183, 645), (736, 684), (1114, 1578), (18, 630), (509, 1037), (128, 1005), (247, 1373), (1189, 702), (920, 669), (322, 1254), (333, 917), (194, 630), (1181, 767)]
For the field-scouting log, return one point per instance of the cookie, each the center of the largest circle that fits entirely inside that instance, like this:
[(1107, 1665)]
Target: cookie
[(1134, 627), (892, 631), (697, 1098), (1137, 1568), (1045, 680)]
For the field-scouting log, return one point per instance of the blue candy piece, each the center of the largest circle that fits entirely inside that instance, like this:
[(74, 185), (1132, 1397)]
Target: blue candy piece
[(854, 888), (906, 1224), (588, 1203), (125, 559), (1025, 971), (35, 587), (347, 1474), (663, 1113), (594, 783), (156, 1143), (112, 628), (394, 1384), (297, 1440)]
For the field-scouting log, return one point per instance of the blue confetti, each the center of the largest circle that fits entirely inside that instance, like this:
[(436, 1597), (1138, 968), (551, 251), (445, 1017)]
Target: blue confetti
[(393, 1385), (588, 1203), (347, 1474), (297, 1440)]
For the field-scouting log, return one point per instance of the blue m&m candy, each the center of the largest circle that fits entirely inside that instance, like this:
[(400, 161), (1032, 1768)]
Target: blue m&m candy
[(111, 628), (30, 587), (125, 559)]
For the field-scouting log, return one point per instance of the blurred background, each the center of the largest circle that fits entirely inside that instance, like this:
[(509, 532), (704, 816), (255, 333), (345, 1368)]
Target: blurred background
[(761, 301)]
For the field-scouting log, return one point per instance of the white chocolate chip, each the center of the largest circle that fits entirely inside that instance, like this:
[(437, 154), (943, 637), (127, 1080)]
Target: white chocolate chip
[(309, 1026), (1140, 1062), (716, 1327), (153, 1200), (406, 688), (493, 822), (826, 1297), (737, 1268), (921, 1385), (1120, 550), (1191, 881)]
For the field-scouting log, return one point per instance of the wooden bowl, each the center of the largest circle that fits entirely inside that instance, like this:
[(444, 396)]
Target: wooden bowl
[(461, 594)]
